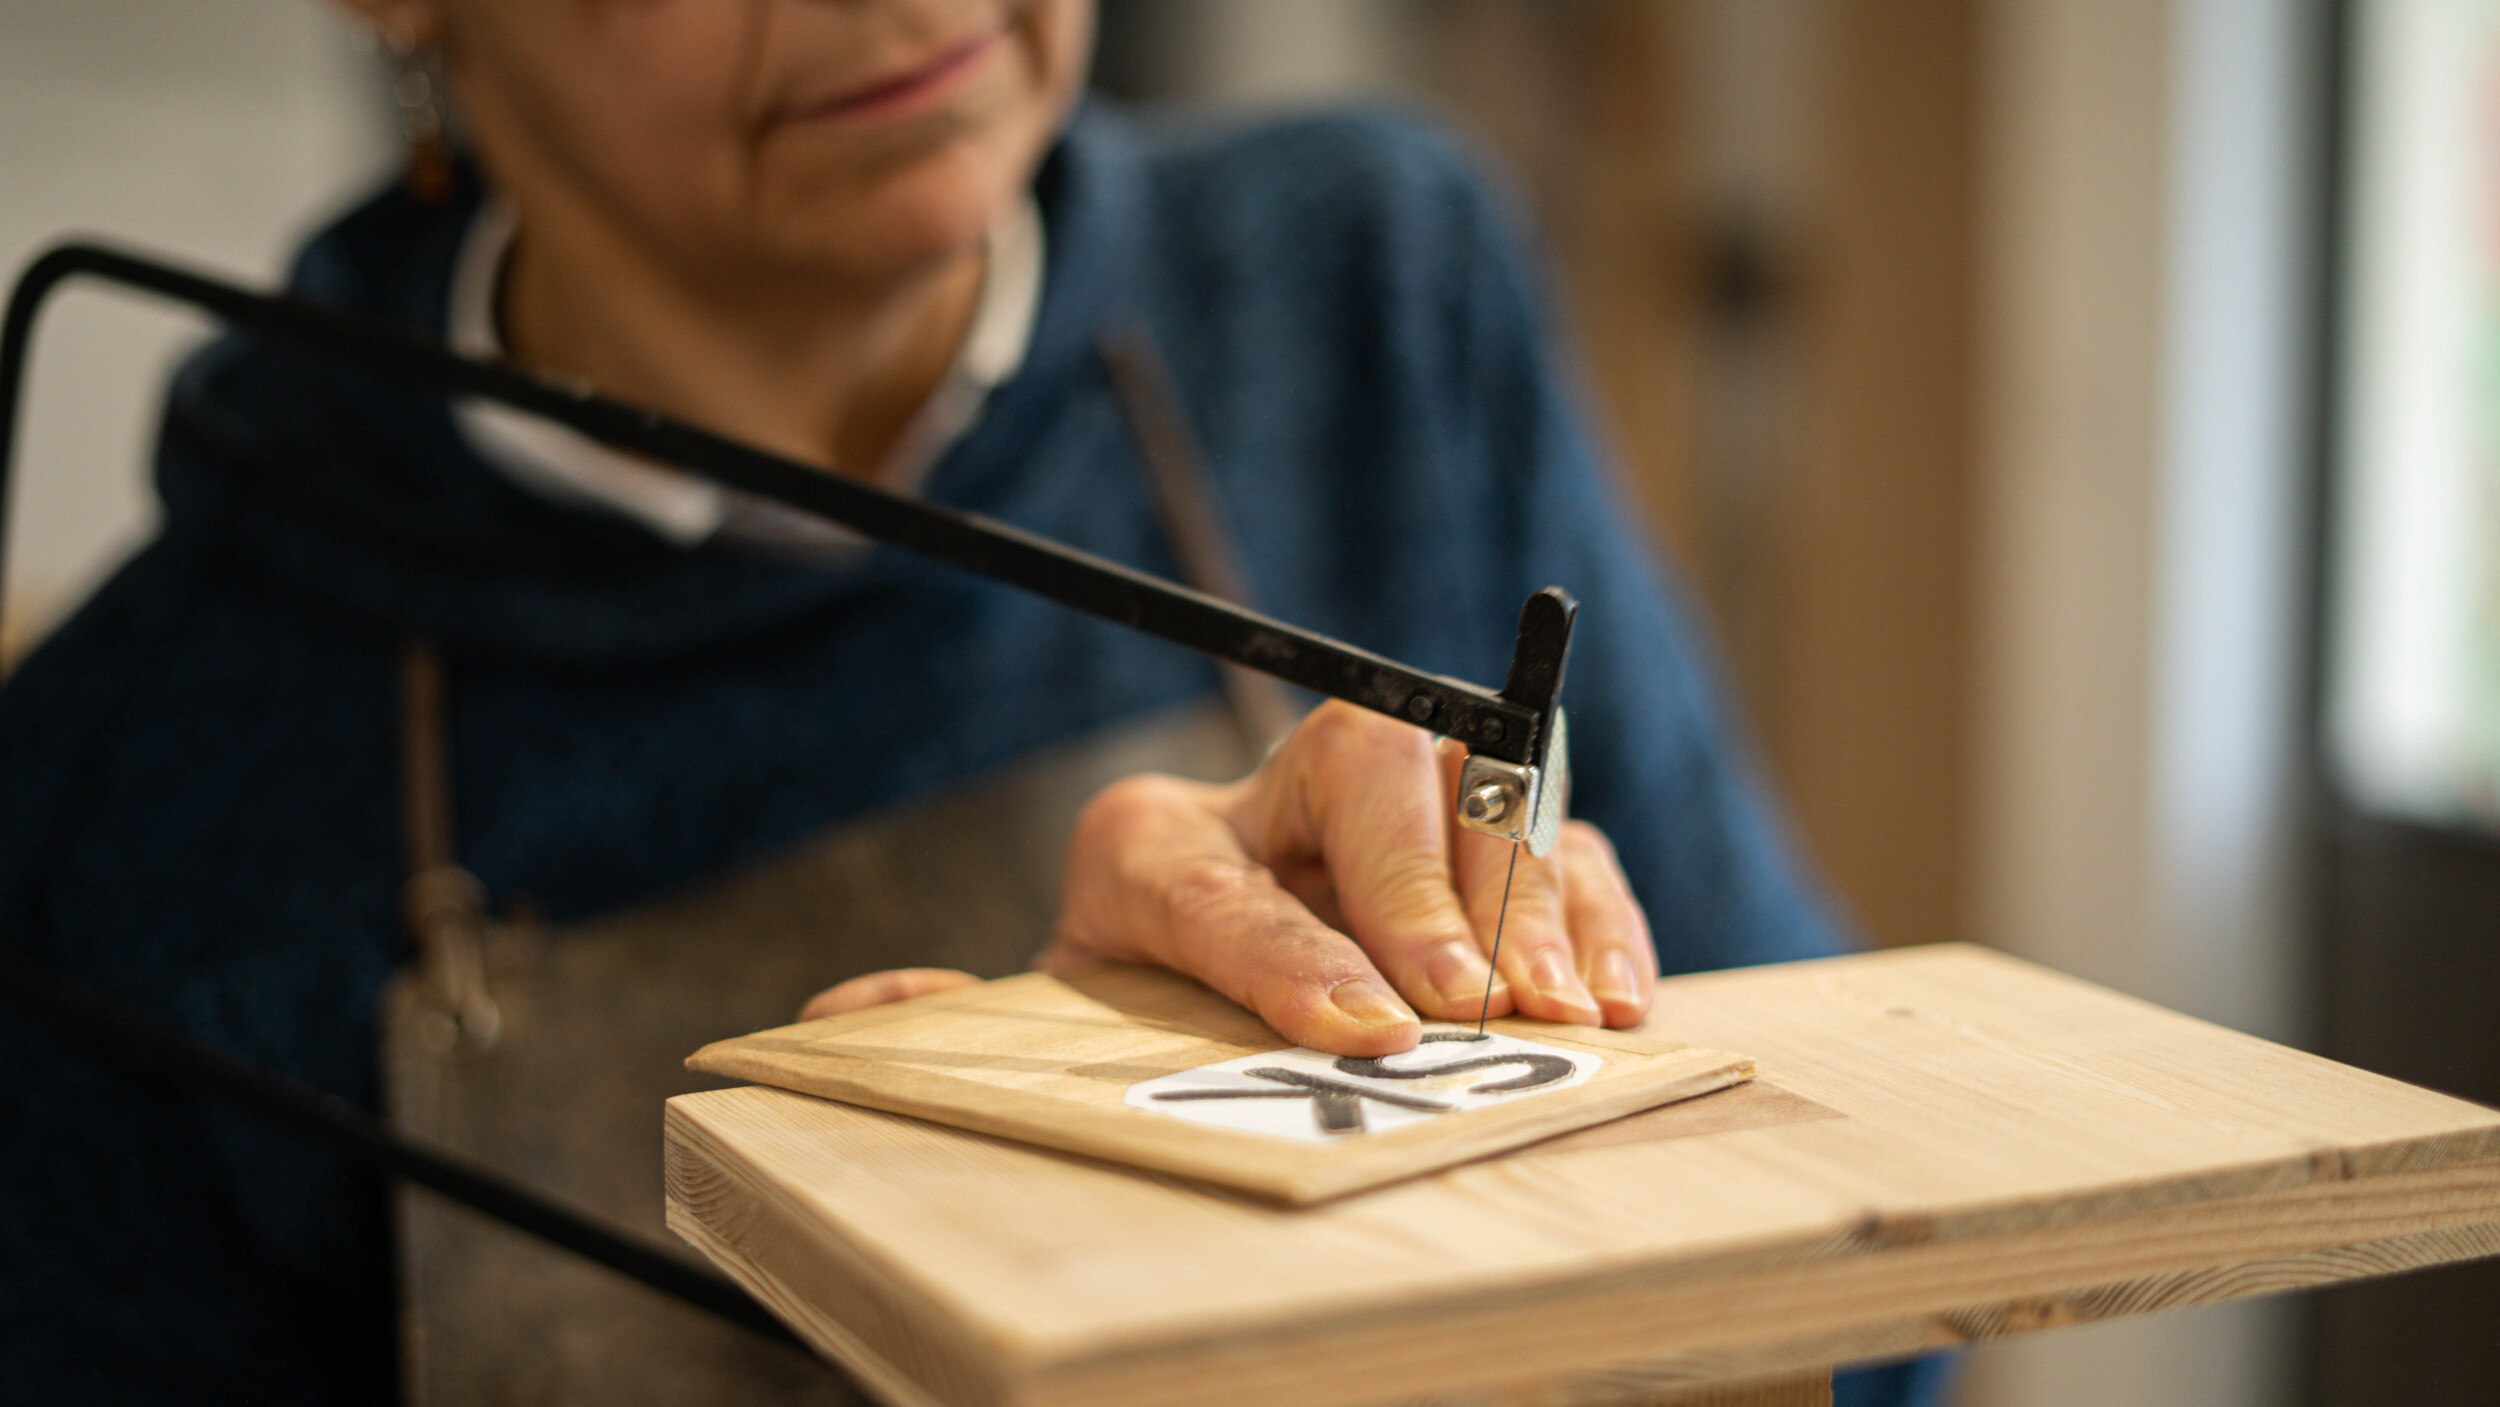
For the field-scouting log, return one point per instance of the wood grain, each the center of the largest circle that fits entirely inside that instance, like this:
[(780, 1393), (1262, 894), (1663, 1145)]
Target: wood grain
[(1999, 1149), (1047, 1061), (1815, 1391)]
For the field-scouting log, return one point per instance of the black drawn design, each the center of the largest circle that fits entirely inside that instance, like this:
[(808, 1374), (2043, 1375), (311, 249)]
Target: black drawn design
[(1542, 1070), (1338, 1107)]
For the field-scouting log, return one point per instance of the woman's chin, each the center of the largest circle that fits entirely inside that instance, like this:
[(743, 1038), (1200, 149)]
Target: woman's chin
[(909, 222)]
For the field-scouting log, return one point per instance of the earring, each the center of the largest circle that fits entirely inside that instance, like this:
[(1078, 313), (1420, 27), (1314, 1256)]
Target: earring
[(417, 82)]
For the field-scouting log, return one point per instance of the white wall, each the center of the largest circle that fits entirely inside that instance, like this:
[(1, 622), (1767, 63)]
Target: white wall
[(1282, 52), (215, 130), (2143, 355)]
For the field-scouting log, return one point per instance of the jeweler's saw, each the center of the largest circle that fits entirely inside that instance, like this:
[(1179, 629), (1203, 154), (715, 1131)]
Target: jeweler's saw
[(1515, 783)]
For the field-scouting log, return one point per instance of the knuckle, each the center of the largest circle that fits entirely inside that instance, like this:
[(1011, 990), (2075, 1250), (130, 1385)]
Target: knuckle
[(1119, 856), (1339, 732), (1612, 920), (1539, 921), (1127, 808), (1582, 839), (1600, 891), (1201, 892), (1541, 882), (1409, 886)]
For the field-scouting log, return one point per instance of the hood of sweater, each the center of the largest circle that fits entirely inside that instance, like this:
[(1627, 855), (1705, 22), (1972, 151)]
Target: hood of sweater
[(360, 496)]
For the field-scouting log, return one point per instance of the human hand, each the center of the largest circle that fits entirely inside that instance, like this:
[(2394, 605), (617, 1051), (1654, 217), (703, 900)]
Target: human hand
[(1332, 892)]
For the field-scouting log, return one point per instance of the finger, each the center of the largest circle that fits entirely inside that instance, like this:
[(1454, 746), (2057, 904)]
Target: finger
[(878, 988), (1157, 874), (1535, 956), (1364, 797), (1610, 934)]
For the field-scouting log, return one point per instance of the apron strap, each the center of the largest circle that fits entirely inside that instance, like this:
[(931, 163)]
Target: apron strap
[(444, 904), (1185, 502)]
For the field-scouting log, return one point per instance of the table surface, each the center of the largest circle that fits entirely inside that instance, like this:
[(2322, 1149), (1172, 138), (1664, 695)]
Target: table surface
[(1943, 1143)]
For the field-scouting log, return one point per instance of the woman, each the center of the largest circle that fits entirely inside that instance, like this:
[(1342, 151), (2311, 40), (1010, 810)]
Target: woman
[(881, 238)]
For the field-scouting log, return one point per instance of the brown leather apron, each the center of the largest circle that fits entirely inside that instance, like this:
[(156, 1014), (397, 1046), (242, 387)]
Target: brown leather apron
[(545, 1052)]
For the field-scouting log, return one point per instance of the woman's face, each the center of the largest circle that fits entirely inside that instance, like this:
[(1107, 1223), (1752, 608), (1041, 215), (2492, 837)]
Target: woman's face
[(871, 139)]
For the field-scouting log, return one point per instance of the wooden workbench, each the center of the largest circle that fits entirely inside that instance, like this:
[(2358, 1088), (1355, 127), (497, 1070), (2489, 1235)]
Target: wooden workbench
[(1942, 1144)]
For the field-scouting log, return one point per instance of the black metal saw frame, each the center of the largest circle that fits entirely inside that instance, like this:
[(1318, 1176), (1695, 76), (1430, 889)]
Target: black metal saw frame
[(1506, 725)]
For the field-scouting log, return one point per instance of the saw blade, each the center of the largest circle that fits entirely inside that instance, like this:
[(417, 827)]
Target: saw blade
[(1500, 916)]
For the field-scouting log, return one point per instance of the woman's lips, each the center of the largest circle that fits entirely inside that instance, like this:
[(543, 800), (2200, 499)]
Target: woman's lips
[(908, 92)]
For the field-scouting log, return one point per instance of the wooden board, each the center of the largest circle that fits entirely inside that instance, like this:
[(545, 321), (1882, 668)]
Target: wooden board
[(1051, 1061), (1944, 1144)]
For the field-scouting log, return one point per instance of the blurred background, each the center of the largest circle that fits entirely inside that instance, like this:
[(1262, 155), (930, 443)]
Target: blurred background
[(2075, 419)]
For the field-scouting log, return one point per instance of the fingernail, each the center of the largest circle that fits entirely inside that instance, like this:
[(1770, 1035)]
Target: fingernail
[(1614, 979), (1555, 979), (1457, 971), (1370, 1003)]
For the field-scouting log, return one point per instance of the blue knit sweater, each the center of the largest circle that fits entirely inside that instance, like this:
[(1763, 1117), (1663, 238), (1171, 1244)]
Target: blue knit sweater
[(197, 787)]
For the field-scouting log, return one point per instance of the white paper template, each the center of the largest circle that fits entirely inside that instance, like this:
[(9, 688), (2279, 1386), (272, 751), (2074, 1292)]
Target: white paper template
[(1312, 1097)]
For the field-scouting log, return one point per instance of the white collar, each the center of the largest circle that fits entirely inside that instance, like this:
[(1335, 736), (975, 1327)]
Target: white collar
[(557, 463)]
